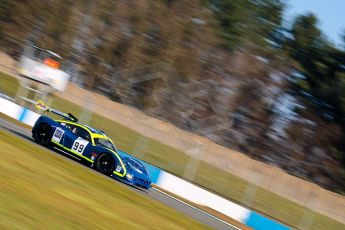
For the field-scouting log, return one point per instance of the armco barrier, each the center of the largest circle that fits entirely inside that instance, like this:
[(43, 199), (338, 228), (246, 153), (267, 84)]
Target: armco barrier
[(203, 197), (171, 183), (17, 112)]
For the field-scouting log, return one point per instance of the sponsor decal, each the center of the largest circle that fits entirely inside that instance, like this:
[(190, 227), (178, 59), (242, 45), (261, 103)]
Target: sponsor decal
[(93, 156), (118, 168), (57, 135)]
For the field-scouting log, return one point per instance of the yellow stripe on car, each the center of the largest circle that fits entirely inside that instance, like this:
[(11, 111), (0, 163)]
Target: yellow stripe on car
[(97, 135), (78, 125), (94, 135), (67, 149)]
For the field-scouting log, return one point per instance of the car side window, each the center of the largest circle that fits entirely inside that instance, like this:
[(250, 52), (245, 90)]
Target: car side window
[(71, 128), (81, 132)]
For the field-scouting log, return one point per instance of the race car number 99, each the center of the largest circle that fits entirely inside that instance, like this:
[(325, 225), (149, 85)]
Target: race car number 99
[(79, 145)]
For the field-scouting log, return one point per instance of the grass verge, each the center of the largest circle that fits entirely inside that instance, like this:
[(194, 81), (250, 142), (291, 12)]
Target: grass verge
[(207, 176), (44, 191)]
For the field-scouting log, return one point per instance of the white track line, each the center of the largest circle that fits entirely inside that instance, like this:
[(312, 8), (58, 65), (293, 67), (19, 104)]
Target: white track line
[(195, 208)]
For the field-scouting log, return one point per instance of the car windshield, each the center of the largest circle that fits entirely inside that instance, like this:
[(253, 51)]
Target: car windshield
[(105, 143)]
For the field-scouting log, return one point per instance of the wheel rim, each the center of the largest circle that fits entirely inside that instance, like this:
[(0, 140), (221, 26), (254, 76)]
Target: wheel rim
[(43, 134), (105, 164)]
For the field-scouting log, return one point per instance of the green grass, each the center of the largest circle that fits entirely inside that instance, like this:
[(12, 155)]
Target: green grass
[(40, 190), (208, 176), (8, 85)]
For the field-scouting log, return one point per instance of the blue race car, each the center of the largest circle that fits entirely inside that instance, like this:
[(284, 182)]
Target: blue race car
[(89, 145)]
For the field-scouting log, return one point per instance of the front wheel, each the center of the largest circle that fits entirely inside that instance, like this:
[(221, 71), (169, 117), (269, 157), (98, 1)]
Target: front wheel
[(43, 135), (105, 164)]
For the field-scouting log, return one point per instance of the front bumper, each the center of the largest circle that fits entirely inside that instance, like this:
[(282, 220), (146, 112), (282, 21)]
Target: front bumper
[(135, 182)]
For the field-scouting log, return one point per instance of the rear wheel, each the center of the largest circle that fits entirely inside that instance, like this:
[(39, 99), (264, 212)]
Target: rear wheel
[(43, 134), (105, 164)]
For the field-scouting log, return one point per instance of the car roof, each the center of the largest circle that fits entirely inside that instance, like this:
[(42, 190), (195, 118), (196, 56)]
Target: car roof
[(95, 132), (92, 129)]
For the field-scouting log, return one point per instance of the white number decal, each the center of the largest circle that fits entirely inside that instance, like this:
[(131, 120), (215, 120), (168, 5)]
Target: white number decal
[(79, 145)]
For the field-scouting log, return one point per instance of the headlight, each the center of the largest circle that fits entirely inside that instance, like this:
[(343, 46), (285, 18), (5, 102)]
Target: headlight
[(129, 176)]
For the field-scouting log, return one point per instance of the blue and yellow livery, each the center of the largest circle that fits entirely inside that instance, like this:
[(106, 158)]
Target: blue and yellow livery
[(89, 145)]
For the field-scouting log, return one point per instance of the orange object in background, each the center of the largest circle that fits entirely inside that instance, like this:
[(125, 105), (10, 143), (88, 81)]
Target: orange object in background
[(52, 63)]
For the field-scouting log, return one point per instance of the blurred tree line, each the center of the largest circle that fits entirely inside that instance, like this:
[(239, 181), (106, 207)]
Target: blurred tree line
[(320, 64), (212, 41)]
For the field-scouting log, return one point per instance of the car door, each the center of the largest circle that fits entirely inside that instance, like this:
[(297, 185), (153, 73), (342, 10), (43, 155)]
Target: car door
[(77, 139)]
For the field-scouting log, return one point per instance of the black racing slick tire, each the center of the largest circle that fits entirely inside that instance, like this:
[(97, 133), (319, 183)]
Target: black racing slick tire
[(105, 164), (43, 135)]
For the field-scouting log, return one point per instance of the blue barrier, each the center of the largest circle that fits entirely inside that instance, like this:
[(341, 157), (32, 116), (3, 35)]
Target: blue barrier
[(259, 222)]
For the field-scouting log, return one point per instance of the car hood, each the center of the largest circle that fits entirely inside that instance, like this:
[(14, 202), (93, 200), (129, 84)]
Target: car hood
[(138, 170)]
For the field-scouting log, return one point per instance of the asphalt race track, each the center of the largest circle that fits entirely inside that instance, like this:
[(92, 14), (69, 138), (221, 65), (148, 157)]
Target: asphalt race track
[(178, 205)]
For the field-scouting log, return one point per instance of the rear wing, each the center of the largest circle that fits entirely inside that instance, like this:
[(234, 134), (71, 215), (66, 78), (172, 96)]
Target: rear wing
[(46, 109)]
